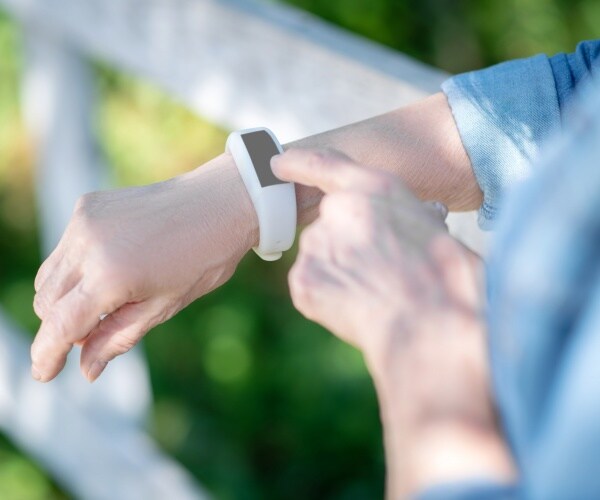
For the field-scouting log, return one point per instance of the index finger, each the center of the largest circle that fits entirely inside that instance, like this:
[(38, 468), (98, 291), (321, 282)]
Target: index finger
[(71, 319), (328, 170)]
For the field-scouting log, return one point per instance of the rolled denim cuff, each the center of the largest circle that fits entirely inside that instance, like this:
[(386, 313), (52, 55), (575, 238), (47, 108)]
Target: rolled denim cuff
[(476, 490), (503, 114)]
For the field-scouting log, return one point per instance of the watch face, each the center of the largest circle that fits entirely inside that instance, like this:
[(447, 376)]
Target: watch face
[(261, 148)]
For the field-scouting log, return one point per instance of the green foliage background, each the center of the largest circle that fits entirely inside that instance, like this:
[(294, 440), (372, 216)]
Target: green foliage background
[(255, 401)]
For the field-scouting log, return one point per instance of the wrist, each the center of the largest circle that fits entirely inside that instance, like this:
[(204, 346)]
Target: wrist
[(273, 198), (451, 452), (446, 337), (218, 190), (437, 407)]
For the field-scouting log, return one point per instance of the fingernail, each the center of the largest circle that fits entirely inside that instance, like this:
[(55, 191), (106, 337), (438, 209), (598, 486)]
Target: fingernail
[(275, 159), (36, 374), (95, 370)]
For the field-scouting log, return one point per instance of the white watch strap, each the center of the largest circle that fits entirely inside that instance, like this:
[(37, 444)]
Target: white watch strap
[(273, 200)]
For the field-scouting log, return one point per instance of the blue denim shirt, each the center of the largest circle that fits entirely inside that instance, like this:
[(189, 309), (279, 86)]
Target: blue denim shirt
[(544, 270), (505, 115)]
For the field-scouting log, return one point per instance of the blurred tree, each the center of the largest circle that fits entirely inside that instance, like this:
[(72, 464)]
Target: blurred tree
[(462, 35)]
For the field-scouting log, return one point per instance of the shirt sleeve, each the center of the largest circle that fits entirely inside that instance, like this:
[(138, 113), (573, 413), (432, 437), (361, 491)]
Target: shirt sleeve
[(544, 314), (505, 113), (572, 70), (476, 490)]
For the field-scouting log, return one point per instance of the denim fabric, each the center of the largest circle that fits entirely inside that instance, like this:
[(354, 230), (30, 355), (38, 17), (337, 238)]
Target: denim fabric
[(475, 491), (571, 70), (544, 284), (544, 276), (506, 113)]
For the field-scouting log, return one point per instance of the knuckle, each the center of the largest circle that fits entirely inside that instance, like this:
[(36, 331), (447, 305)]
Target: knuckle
[(340, 205), (40, 277), (327, 206), (350, 210), (358, 209), (105, 295), (108, 282), (345, 253), (47, 268), (86, 202), (309, 239), (162, 315), (365, 215), (80, 204), (330, 204), (40, 306), (162, 310), (359, 204), (324, 157), (120, 344), (84, 223), (300, 289), (383, 184), (318, 156), (107, 276), (58, 328)]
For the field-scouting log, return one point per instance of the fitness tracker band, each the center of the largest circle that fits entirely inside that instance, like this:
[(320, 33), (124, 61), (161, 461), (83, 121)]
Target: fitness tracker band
[(274, 200)]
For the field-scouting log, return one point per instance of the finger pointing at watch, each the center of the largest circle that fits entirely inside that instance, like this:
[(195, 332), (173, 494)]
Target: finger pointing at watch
[(372, 257)]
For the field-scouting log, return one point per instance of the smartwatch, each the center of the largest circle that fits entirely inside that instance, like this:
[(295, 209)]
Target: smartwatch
[(274, 200)]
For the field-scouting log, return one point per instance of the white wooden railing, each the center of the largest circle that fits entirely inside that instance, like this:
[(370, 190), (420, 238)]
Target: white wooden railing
[(238, 63)]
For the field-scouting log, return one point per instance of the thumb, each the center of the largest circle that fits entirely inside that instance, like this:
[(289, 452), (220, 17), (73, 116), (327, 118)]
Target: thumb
[(116, 334)]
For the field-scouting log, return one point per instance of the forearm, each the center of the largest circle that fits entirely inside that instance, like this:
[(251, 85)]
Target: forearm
[(436, 429), (442, 454), (419, 143)]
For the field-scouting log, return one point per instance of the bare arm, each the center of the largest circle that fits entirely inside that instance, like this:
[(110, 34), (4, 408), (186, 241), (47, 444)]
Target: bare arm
[(142, 254), (419, 143)]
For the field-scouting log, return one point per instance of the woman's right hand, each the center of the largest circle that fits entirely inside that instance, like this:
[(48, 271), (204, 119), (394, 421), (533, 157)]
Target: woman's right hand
[(139, 255)]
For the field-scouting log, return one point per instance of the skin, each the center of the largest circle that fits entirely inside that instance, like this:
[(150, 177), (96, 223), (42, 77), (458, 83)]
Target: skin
[(379, 270), (142, 254)]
